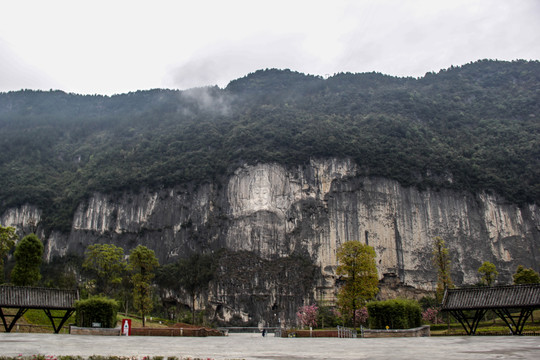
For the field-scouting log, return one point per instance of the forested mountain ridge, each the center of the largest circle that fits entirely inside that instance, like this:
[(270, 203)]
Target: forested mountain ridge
[(472, 128)]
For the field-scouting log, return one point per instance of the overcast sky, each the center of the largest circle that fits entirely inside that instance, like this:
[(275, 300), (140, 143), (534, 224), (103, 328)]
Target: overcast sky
[(110, 47)]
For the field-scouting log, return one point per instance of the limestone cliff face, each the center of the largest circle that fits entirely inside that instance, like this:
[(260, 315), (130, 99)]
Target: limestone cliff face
[(273, 211), (22, 217)]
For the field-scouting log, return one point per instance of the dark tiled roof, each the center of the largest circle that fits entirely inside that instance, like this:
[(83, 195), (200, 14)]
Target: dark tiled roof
[(512, 296), (37, 298)]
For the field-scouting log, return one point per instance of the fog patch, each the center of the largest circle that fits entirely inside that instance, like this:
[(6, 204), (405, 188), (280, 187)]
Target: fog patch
[(206, 99)]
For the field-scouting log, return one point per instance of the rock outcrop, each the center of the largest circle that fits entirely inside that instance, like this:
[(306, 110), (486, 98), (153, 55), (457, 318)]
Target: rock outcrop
[(273, 212)]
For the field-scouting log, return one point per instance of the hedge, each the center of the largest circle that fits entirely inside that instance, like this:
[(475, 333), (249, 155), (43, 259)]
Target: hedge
[(396, 314), (96, 309)]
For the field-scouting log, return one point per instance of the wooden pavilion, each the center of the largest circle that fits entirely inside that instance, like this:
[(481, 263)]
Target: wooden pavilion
[(25, 298), (514, 304)]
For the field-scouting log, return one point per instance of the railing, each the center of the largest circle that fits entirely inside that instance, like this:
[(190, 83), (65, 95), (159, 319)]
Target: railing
[(344, 332)]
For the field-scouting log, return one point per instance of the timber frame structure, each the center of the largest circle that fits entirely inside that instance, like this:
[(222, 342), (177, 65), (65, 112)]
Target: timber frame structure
[(469, 305), (24, 298)]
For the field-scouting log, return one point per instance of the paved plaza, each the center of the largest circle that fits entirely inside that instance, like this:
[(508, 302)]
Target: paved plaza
[(254, 346)]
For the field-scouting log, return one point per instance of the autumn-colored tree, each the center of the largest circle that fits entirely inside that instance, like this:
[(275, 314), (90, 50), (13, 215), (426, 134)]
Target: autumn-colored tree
[(142, 264), (356, 265), (441, 260), (489, 273), (7, 241)]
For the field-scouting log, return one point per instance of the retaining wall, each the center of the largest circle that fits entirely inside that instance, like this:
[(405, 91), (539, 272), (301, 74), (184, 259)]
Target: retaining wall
[(174, 331), (367, 333), (75, 330), (146, 331), (307, 333), (415, 332)]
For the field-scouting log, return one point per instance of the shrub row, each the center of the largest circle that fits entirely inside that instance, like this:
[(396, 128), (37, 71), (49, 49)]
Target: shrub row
[(96, 309), (396, 314)]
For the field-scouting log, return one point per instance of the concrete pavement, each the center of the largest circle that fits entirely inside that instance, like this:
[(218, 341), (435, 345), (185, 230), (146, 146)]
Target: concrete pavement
[(254, 346)]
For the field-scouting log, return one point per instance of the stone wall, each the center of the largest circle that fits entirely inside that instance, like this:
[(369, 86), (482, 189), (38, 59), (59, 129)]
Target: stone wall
[(75, 330), (416, 332), (174, 331)]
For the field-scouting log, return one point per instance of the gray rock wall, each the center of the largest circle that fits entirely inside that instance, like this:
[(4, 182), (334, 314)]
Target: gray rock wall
[(273, 211)]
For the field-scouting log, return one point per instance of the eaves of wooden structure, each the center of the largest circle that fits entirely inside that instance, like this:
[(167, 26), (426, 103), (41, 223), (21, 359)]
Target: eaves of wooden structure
[(469, 305), (24, 298)]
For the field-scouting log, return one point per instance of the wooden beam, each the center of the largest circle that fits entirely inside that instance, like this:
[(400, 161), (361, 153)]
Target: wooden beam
[(460, 316), (472, 326), (9, 327), (62, 318), (516, 328)]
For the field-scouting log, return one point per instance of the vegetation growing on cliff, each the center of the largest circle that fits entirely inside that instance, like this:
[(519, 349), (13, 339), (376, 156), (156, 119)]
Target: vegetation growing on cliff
[(472, 128), (526, 276), (489, 273), (192, 275)]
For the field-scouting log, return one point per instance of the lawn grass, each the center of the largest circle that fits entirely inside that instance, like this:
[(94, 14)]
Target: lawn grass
[(38, 317)]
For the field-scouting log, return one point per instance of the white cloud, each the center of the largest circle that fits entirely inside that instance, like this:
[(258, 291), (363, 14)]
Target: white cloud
[(118, 46), (16, 74), (220, 63)]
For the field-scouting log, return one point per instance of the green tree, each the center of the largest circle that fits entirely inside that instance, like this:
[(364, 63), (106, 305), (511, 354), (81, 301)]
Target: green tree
[(7, 241), (489, 273), (192, 275), (107, 263), (356, 264), (62, 271), (142, 264), (525, 276), (326, 316), (28, 259), (441, 260)]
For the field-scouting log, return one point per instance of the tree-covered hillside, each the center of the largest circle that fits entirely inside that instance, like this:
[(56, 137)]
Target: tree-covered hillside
[(473, 128)]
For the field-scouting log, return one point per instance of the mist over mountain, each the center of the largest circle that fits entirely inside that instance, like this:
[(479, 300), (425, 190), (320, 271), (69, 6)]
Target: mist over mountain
[(471, 128)]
